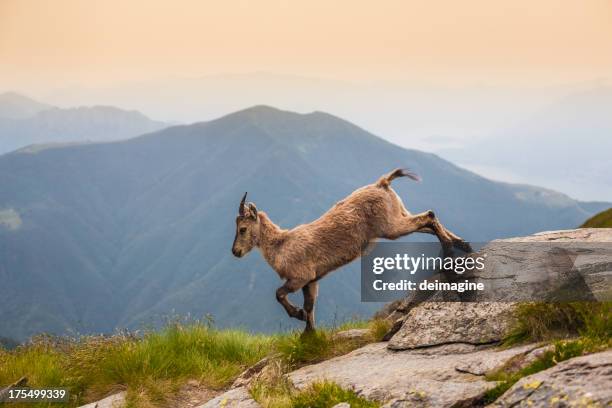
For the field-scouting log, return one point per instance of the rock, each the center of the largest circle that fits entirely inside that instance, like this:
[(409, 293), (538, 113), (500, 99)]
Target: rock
[(422, 377), (405, 305), (553, 266), (352, 334), (247, 375), (22, 382), (560, 265), (112, 401), (435, 323), (512, 365), (579, 382), (234, 398), (342, 405)]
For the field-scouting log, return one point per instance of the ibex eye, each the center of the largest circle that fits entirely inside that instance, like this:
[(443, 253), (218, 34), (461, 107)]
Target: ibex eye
[(242, 230)]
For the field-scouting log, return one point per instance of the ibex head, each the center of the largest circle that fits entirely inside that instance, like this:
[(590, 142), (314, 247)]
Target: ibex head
[(247, 228)]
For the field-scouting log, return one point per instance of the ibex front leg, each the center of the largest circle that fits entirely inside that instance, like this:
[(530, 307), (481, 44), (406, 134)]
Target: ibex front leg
[(310, 297), (291, 286)]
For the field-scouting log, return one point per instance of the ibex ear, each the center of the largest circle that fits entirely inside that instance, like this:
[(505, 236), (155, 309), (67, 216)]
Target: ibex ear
[(253, 210)]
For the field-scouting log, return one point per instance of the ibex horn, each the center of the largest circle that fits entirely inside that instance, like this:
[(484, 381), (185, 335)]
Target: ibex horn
[(241, 208)]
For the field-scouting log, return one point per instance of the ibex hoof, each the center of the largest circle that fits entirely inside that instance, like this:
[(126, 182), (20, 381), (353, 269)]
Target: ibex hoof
[(464, 246), (307, 332)]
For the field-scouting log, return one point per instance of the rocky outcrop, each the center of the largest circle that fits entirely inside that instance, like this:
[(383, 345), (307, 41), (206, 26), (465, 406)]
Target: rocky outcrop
[(559, 265), (580, 382), (430, 377)]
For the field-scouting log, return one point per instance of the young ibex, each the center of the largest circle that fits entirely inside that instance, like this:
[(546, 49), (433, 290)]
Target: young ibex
[(305, 254)]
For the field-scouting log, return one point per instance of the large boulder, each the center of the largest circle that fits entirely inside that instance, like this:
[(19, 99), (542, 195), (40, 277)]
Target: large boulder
[(435, 323), (549, 266), (580, 382)]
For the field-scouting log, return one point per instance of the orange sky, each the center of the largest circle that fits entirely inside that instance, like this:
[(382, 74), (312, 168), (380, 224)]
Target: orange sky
[(49, 44)]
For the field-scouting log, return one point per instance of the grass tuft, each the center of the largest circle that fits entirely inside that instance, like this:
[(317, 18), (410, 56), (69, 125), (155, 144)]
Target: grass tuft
[(327, 394), (281, 394), (601, 220), (379, 328), (553, 321), (298, 350)]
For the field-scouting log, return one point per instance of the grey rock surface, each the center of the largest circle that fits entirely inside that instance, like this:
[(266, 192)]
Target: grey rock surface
[(234, 398), (424, 377), (579, 382), (435, 323), (560, 265), (112, 401)]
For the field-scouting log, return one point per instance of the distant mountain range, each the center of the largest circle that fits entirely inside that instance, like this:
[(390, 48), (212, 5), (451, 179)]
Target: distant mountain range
[(121, 234), (565, 145), (468, 124), (24, 122), (17, 106)]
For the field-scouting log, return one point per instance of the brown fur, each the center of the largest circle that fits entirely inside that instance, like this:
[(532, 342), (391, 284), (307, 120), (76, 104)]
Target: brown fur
[(305, 254)]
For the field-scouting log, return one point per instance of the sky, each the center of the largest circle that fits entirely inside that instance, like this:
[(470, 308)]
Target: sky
[(50, 44), (452, 77)]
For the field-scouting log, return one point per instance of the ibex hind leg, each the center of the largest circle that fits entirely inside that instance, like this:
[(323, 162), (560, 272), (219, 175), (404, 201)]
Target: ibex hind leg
[(406, 225), (458, 242)]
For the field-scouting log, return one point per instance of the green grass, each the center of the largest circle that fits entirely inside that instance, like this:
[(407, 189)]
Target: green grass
[(378, 328), (150, 367), (154, 366), (326, 394), (553, 321), (297, 350), (601, 220)]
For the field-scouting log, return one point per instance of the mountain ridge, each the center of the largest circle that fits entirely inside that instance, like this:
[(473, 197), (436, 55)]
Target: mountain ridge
[(37, 124), (14, 105)]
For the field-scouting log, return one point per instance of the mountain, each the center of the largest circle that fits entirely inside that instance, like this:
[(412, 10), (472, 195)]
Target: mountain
[(566, 145), (83, 124), (121, 234), (16, 106)]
